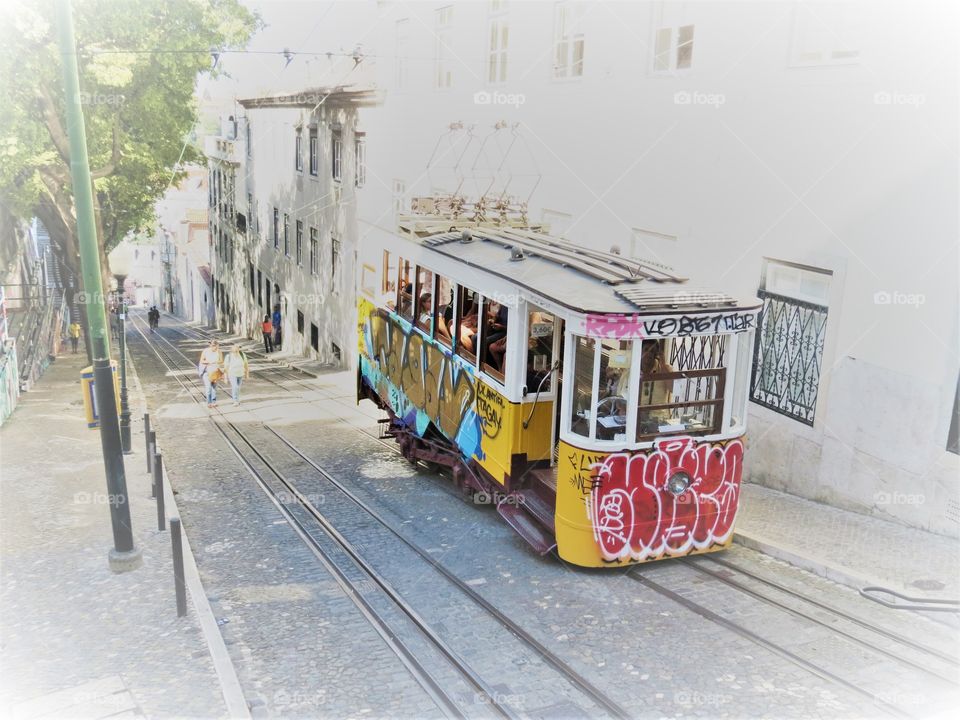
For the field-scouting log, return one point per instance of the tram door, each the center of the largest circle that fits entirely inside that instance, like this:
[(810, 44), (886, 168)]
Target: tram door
[(544, 349)]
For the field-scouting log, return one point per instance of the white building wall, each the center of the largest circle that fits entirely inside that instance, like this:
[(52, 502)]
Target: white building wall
[(757, 150)]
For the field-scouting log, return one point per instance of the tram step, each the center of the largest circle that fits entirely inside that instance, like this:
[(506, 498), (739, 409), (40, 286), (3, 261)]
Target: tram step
[(537, 506), (529, 529), (546, 477)]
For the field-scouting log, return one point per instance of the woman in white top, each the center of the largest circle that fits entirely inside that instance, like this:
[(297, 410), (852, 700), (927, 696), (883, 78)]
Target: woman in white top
[(238, 370), (211, 360)]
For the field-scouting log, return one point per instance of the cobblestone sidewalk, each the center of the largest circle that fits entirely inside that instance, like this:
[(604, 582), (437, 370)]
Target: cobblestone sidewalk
[(77, 639), (848, 547)]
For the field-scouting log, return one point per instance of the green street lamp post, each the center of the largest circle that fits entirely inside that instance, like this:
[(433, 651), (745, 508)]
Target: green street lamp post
[(124, 555)]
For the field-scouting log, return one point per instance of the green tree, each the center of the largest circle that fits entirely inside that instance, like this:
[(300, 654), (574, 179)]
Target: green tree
[(139, 62)]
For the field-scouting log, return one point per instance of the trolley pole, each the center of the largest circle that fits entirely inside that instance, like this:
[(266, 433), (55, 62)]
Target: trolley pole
[(124, 556)]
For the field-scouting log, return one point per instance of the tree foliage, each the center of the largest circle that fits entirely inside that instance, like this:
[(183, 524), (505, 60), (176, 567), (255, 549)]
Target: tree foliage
[(139, 61)]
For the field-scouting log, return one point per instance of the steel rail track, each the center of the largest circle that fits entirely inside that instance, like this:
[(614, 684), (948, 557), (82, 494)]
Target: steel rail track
[(427, 681), (577, 680), (891, 635), (773, 647), (740, 587)]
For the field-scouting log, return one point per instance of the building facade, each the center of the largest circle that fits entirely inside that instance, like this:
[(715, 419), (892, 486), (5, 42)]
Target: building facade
[(792, 151), (285, 176)]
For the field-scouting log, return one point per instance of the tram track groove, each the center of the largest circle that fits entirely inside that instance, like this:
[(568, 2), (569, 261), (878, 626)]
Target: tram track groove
[(446, 703), (575, 679)]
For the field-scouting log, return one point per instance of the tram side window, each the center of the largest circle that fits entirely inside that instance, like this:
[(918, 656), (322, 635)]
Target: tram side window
[(405, 290), (616, 359), (424, 314), (493, 337), (468, 322), (388, 280), (686, 401), (582, 398), (443, 320), (539, 350)]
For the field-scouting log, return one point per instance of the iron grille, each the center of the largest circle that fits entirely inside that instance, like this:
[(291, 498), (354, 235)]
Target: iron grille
[(698, 352), (787, 356)]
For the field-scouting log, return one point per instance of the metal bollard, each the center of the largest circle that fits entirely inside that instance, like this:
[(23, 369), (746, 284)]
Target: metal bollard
[(178, 580), (158, 489), (146, 437), (151, 448), (153, 484)]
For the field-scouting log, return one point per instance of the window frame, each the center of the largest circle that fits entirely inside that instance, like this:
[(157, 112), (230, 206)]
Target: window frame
[(299, 243), (313, 143), (567, 16), (336, 157), (314, 250), (286, 234), (298, 151), (336, 261), (360, 162), (443, 26)]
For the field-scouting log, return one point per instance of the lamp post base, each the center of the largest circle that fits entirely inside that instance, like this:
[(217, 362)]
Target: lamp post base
[(125, 561)]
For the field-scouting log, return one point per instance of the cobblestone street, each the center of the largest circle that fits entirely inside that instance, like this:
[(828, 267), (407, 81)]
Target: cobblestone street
[(709, 637)]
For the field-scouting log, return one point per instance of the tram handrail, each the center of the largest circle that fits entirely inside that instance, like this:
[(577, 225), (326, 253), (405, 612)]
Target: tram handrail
[(536, 399)]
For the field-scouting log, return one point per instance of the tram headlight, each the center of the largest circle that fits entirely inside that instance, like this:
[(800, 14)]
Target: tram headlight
[(678, 483)]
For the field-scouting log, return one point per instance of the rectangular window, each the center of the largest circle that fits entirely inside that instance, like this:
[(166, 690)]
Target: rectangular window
[(401, 45), (298, 150), (314, 337), (314, 252), (249, 140), (405, 290), (581, 421), (468, 323), (673, 49), (443, 18), (286, 234), (424, 295), (276, 228), (252, 280), (788, 350), (360, 158), (299, 322), (335, 351), (831, 34), (568, 40), (399, 196), (497, 50), (540, 329), (259, 288), (299, 239), (314, 152), (492, 337), (335, 260), (336, 155), (443, 317), (681, 386)]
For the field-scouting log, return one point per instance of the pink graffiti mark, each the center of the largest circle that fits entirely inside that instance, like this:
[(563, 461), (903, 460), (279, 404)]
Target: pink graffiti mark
[(614, 326), (636, 517)]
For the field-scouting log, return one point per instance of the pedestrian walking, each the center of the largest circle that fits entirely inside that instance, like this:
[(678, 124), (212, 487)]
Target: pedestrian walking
[(238, 370), (74, 331), (267, 334), (277, 337), (211, 370)]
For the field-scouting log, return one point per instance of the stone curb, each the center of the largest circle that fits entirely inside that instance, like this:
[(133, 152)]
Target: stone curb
[(795, 557), (230, 687)]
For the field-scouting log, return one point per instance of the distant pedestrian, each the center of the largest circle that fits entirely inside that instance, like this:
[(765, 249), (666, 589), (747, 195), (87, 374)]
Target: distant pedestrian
[(115, 324), (277, 335), (74, 331), (238, 370), (211, 370), (267, 334)]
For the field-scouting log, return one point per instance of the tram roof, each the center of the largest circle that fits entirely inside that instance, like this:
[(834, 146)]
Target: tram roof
[(582, 279)]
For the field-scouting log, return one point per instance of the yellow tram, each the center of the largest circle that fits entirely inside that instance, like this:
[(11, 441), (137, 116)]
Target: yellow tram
[(596, 400)]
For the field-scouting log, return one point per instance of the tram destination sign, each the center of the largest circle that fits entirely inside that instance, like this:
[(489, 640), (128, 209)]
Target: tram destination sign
[(638, 327)]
